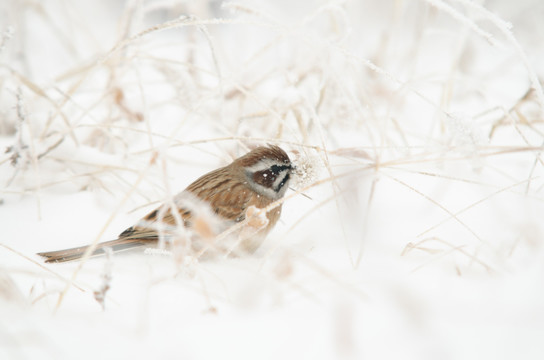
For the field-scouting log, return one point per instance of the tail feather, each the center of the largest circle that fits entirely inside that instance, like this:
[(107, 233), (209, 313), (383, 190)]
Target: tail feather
[(76, 253)]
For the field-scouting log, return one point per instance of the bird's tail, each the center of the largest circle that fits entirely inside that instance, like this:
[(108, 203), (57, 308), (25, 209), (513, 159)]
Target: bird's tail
[(77, 253)]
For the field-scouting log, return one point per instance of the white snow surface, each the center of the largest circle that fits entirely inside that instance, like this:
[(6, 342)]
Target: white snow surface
[(417, 230)]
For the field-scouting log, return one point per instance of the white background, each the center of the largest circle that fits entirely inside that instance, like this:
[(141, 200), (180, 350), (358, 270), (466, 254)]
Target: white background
[(420, 238)]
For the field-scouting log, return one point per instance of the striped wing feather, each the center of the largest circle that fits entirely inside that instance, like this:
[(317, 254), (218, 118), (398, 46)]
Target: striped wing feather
[(224, 194)]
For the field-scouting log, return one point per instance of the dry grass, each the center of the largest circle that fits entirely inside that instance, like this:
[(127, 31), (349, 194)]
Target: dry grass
[(425, 117)]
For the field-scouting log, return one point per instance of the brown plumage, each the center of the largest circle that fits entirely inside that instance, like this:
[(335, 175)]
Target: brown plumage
[(209, 206)]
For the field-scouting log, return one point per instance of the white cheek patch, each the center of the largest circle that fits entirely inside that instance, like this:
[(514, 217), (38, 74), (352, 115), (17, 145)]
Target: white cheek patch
[(269, 193), (280, 178)]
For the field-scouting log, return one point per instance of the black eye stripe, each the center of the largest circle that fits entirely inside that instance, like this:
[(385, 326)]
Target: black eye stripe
[(276, 169)]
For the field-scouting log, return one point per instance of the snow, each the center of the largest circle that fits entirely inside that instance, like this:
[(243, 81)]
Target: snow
[(413, 229)]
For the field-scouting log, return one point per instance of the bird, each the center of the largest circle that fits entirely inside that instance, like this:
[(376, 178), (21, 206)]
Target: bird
[(230, 197)]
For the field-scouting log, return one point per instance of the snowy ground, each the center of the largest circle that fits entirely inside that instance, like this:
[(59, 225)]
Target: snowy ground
[(420, 232)]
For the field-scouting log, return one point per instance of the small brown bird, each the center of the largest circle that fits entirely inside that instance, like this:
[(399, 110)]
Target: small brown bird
[(208, 208)]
